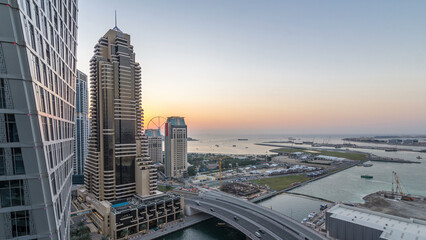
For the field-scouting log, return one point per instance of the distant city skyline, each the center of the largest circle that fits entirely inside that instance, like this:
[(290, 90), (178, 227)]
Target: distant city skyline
[(279, 67)]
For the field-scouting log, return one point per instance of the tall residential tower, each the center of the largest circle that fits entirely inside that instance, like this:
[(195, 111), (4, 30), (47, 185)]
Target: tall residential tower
[(81, 130), (118, 165), (176, 149), (155, 145), (37, 98)]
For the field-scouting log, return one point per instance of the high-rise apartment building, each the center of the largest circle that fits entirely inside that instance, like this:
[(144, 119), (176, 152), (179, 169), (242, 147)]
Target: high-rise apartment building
[(81, 130), (155, 145), (37, 98), (176, 149), (118, 165)]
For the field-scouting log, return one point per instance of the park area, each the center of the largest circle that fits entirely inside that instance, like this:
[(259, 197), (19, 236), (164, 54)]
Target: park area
[(347, 155), (281, 182)]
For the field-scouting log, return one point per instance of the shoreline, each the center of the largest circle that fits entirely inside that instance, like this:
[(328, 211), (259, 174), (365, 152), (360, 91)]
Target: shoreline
[(286, 190), (360, 147), (369, 156)]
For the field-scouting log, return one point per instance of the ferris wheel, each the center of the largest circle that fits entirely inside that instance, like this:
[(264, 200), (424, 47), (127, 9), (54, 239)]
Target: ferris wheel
[(157, 122)]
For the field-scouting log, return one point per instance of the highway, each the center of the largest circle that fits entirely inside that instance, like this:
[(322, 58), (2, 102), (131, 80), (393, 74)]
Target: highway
[(250, 218)]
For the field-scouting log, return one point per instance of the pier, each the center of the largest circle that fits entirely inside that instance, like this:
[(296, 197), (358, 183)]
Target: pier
[(173, 227)]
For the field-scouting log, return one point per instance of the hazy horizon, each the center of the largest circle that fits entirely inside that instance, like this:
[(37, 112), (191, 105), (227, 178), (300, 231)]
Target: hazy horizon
[(272, 67)]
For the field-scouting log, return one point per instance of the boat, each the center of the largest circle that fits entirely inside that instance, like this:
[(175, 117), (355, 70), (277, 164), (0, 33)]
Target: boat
[(304, 220), (234, 145), (367, 176), (391, 150), (312, 215), (367, 165), (418, 157), (323, 206), (242, 139), (217, 145)]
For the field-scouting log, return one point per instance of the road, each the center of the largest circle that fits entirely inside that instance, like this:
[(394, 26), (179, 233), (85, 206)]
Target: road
[(250, 218)]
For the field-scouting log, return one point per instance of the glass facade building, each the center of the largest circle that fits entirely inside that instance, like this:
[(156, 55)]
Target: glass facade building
[(37, 107), (176, 147), (117, 164), (81, 127)]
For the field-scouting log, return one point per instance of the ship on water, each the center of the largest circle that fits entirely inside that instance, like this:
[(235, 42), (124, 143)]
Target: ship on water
[(391, 150)]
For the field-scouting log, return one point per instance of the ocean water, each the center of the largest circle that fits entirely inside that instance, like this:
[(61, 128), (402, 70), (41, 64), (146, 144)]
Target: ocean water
[(348, 186), (345, 186), (296, 207), (207, 230)]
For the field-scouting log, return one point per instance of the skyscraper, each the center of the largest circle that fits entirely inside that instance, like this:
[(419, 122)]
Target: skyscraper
[(176, 149), (118, 164), (37, 95), (155, 145), (81, 130), (119, 177)]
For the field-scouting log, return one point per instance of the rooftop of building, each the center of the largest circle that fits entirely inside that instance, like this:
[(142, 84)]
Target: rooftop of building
[(153, 132), (137, 201), (176, 121), (393, 227)]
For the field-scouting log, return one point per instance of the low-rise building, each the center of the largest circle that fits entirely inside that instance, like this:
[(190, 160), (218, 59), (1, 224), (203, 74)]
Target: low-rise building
[(133, 214), (352, 223)]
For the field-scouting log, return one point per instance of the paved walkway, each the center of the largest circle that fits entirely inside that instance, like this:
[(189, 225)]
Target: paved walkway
[(172, 227)]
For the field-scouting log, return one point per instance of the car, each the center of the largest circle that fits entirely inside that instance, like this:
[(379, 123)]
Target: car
[(198, 203), (235, 218), (211, 209), (257, 234)]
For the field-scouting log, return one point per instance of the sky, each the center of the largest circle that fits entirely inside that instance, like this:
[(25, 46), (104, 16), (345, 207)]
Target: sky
[(273, 67)]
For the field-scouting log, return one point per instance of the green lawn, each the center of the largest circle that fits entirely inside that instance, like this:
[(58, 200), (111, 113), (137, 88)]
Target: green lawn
[(282, 182), (350, 156)]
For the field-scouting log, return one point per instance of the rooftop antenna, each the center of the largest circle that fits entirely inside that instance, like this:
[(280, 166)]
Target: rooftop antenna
[(116, 28), (115, 18)]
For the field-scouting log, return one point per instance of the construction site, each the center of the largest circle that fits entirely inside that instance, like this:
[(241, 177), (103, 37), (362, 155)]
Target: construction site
[(244, 189), (397, 202)]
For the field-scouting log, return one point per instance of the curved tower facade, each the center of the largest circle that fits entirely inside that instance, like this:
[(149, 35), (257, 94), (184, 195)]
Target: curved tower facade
[(37, 99)]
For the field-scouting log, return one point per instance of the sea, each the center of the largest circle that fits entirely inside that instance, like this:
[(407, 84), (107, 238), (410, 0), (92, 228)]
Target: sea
[(344, 186)]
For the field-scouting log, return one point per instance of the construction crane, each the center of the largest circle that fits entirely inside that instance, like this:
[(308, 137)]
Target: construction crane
[(220, 174), (398, 189), (220, 170)]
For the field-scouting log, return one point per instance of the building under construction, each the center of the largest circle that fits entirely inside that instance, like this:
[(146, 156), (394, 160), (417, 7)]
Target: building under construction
[(241, 188)]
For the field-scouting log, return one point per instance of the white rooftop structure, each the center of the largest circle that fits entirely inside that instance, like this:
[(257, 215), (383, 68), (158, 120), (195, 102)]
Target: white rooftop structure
[(393, 227), (331, 158)]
